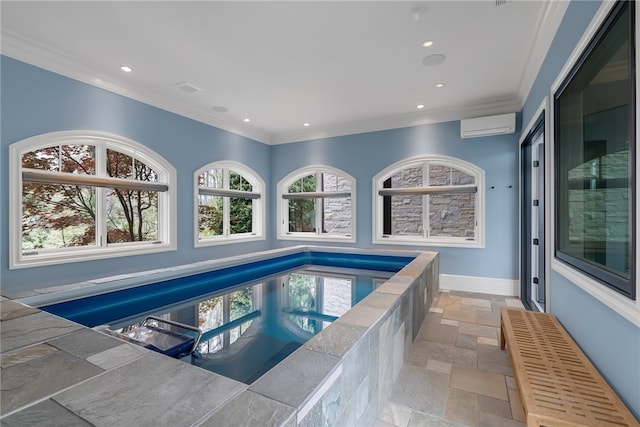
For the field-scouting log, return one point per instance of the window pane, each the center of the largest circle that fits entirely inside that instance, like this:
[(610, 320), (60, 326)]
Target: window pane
[(336, 215), (211, 179), (57, 216), (406, 215), (302, 215), (238, 182), (78, 159), (241, 215), (119, 165), (132, 216), (403, 215), (593, 160), (210, 215), (407, 178), (452, 215), (440, 174), (335, 183), (305, 184)]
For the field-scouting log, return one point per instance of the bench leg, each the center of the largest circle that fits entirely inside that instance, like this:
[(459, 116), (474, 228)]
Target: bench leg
[(502, 341)]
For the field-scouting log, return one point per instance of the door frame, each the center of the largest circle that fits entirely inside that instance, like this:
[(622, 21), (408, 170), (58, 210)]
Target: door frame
[(542, 113)]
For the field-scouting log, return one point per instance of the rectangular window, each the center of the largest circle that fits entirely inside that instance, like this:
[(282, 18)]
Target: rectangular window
[(595, 152)]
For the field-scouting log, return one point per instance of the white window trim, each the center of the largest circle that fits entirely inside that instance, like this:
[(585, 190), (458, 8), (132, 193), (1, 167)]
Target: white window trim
[(625, 307), (461, 242), (282, 215), (258, 212), (167, 234)]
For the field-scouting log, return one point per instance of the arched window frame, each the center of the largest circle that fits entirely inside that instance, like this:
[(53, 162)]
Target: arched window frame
[(258, 205), (283, 205), (165, 188), (425, 240)]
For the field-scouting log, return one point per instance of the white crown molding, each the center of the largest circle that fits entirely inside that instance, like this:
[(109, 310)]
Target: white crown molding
[(50, 59), (400, 121), (548, 24)]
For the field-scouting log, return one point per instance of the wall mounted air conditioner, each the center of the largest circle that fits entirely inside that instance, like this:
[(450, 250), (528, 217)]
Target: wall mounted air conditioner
[(485, 126)]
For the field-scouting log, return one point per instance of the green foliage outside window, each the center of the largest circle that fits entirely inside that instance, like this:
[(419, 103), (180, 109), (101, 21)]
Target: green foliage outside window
[(58, 215), (301, 211)]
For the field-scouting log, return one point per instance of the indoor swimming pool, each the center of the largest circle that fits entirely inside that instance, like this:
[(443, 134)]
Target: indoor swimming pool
[(247, 330), (251, 316)]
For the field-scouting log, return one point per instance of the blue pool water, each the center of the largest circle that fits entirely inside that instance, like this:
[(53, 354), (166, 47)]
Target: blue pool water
[(253, 315), (105, 308)]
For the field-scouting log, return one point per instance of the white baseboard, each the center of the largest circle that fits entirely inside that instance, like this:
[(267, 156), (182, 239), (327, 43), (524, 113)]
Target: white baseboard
[(483, 285)]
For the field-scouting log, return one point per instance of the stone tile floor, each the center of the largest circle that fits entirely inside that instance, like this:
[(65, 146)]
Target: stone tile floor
[(455, 373)]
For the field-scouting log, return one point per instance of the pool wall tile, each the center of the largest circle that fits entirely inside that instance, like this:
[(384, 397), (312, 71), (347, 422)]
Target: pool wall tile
[(370, 343), (355, 366)]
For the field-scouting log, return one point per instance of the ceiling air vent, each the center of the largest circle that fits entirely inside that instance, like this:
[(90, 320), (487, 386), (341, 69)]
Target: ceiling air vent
[(501, 2), (187, 87)]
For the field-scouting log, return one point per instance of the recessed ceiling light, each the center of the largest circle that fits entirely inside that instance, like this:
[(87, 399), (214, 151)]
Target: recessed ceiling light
[(419, 106), (126, 69), (220, 109), (440, 85), (246, 119), (305, 124), (428, 43)]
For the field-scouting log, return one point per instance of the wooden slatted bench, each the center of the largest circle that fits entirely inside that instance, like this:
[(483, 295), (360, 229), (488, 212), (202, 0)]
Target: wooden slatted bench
[(559, 386)]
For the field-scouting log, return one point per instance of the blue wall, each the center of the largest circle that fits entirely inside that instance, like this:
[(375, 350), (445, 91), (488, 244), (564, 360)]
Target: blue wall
[(364, 155), (35, 101), (609, 340)]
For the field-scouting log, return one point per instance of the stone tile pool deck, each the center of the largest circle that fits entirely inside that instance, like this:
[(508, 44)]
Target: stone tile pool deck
[(56, 372)]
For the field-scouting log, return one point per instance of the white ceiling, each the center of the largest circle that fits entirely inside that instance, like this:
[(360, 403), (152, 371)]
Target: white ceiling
[(342, 66)]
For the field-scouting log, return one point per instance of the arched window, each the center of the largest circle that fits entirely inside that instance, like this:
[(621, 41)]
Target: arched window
[(87, 195), (229, 204), (317, 203), (429, 200)]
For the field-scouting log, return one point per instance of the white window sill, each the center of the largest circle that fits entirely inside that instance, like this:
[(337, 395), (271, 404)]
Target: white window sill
[(625, 307), (318, 238), (419, 241), (79, 255), (225, 240)]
